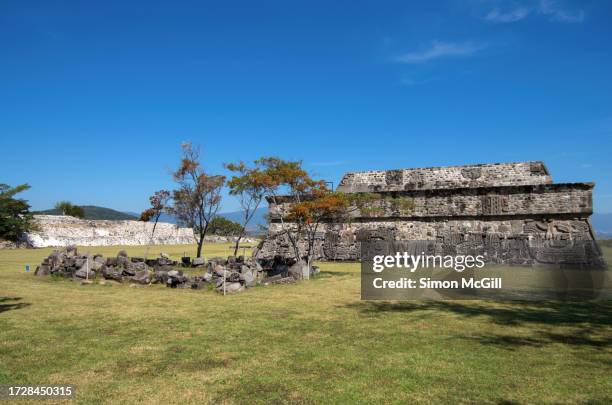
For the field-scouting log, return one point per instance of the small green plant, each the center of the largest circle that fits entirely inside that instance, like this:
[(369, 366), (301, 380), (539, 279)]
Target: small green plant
[(374, 204), (405, 205)]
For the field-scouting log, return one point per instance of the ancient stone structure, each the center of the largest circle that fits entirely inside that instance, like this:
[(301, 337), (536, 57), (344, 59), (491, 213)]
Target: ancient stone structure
[(511, 213), (225, 275), (61, 230)]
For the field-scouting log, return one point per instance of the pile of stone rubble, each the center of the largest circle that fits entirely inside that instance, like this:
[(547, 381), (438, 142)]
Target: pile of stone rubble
[(225, 275)]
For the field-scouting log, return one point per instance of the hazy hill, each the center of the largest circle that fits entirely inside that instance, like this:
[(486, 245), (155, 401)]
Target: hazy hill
[(258, 219), (236, 216), (94, 212), (602, 223)]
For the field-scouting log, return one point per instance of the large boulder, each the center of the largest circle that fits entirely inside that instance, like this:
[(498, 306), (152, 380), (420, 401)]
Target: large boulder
[(160, 276), (123, 261), (299, 270), (96, 265), (84, 272), (78, 262), (207, 277), (197, 262), (230, 288), (176, 279), (111, 273), (232, 277), (42, 270), (71, 251), (143, 276), (138, 266), (55, 259), (129, 271), (248, 278), (220, 271)]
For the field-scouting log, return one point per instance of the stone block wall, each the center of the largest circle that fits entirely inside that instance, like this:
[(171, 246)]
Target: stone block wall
[(571, 198), (502, 241), (510, 213), (484, 175)]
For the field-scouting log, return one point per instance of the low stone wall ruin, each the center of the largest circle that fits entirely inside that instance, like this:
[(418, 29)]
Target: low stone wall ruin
[(59, 231), (224, 275)]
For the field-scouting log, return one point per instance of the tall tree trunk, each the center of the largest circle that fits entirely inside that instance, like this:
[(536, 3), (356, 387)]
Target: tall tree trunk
[(200, 243), (201, 239), (237, 244)]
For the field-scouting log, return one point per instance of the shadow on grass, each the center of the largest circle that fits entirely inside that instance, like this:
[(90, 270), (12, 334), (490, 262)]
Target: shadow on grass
[(330, 274), (507, 313), (590, 321), (8, 304)]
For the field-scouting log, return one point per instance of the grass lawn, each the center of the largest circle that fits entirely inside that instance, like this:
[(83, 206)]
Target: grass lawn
[(312, 342)]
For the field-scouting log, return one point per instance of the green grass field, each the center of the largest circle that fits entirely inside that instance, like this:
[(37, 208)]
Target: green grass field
[(312, 342)]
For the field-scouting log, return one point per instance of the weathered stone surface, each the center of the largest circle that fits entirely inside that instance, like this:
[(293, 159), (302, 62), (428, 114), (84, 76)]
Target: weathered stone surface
[(84, 273), (111, 273), (483, 175), (59, 230), (248, 278), (511, 212), (230, 288), (235, 274), (143, 276), (299, 271)]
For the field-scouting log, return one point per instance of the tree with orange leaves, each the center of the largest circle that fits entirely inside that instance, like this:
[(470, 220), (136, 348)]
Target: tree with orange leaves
[(311, 202), (198, 197)]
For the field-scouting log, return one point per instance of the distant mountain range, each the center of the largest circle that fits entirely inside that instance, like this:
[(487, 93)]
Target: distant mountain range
[(602, 223), (94, 212)]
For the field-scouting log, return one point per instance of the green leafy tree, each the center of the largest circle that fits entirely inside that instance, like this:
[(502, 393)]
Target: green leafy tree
[(249, 186), (15, 215), (67, 208), (224, 227), (159, 203)]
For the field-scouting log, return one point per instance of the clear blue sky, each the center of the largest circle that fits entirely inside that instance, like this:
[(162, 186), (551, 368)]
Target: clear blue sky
[(96, 97)]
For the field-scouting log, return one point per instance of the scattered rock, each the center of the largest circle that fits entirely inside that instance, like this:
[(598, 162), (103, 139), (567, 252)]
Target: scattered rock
[(130, 272), (111, 273), (71, 251), (42, 270), (175, 279), (85, 273), (248, 278), (229, 275), (230, 288), (299, 270), (143, 276), (160, 276)]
